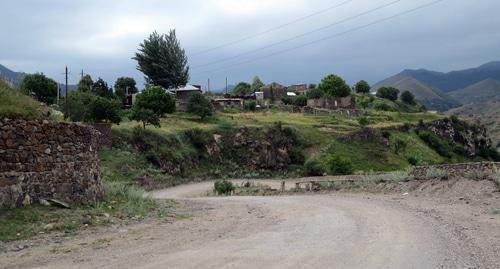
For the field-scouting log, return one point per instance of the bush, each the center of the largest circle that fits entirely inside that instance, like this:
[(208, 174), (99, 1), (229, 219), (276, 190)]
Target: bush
[(251, 105), (15, 105), (197, 137), (382, 105), (300, 100), (436, 143), (200, 105), (435, 173), (315, 93), (337, 165), (287, 100), (88, 107), (223, 187), (363, 121), (412, 160), (313, 167), (408, 98), (297, 156), (44, 89)]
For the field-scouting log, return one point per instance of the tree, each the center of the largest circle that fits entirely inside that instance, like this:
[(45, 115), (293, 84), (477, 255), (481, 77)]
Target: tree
[(242, 88), (337, 165), (124, 85), (85, 84), (88, 107), (388, 93), (312, 86), (333, 85), (43, 88), (162, 60), (152, 104), (315, 94), (362, 87), (100, 88), (300, 100), (408, 98), (257, 84), (199, 105)]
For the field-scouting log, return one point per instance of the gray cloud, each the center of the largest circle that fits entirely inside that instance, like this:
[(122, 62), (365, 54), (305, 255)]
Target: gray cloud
[(102, 36)]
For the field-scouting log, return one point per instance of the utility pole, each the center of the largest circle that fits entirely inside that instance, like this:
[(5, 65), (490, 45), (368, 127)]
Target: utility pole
[(82, 74), (208, 85), (66, 114), (58, 92), (226, 85)]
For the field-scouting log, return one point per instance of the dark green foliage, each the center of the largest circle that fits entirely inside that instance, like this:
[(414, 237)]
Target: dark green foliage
[(257, 84), (44, 89), (123, 84), (315, 93), (198, 138), (363, 121), (300, 100), (335, 86), (362, 87), (162, 60), (151, 104), (337, 165), (16, 105), (388, 93), (85, 84), (490, 154), (408, 98), (287, 100), (223, 187), (297, 156), (251, 105), (314, 168), (364, 101), (436, 143), (383, 106), (200, 105), (412, 160), (88, 107), (101, 88), (242, 88), (311, 86), (399, 145)]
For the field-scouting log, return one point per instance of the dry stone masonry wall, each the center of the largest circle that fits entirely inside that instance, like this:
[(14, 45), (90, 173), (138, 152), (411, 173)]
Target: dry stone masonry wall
[(43, 160), (457, 170)]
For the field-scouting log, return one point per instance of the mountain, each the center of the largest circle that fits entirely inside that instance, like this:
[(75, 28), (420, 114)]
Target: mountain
[(455, 80), (430, 97), (11, 77), (488, 113), (485, 90)]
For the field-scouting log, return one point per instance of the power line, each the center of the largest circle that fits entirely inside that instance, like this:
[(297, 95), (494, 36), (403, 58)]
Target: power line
[(328, 37), (271, 29), (300, 35)]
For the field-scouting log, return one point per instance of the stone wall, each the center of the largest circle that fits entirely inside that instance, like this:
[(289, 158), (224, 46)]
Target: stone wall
[(42, 160), (456, 170)]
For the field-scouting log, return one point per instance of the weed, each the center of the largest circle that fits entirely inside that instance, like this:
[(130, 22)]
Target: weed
[(436, 173), (223, 187), (477, 175), (313, 167)]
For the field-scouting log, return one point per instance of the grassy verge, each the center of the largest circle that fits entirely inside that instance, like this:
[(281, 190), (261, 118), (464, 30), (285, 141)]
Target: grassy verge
[(15, 105)]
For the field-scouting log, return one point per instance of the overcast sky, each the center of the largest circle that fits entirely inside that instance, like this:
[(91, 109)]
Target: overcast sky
[(101, 37)]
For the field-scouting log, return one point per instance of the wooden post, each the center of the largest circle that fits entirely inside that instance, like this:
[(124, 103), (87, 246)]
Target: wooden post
[(282, 186)]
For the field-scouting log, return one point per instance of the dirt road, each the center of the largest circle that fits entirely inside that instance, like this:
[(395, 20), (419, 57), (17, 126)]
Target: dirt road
[(306, 231)]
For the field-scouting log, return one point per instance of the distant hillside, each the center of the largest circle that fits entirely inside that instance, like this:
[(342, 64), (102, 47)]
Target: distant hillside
[(486, 90), (11, 77), (433, 99), (455, 80), (487, 113)]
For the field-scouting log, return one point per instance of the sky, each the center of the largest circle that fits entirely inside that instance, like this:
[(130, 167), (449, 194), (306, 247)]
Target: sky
[(356, 39)]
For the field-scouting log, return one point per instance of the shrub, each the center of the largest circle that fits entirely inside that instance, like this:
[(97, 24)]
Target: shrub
[(15, 105), (408, 98), (435, 173), (363, 121), (436, 143), (383, 106), (399, 145), (412, 160), (85, 106), (197, 137), (313, 167), (297, 156), (44, 89), (251, 105), (315, 93), (300, 100), (200, 105), (403, 176), (223, 187), (477, 175), (287, 100), (337, 165)]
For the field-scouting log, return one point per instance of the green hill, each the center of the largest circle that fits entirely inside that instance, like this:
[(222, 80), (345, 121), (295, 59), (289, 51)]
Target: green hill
[(432, 98), (486, 90)]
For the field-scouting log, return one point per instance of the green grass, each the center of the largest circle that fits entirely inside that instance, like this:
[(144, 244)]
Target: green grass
[(15, 105)]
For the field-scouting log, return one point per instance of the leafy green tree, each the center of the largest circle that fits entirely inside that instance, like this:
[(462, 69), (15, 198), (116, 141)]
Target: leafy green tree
[(124, 84), (200, 105), (312, 86), (43, 88), (100, 88), (88, 107), (313, 167), (106, 110), (389, 93), (315, 93), (362, 87), (408, 98), (333, 85), (300, 100), (242, 88), (257, 84), (85, 84), (162, 60), (152, 104)]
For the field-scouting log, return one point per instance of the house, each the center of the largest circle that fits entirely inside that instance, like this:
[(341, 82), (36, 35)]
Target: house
[(182, 95), (273, 91), (299, 89)]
